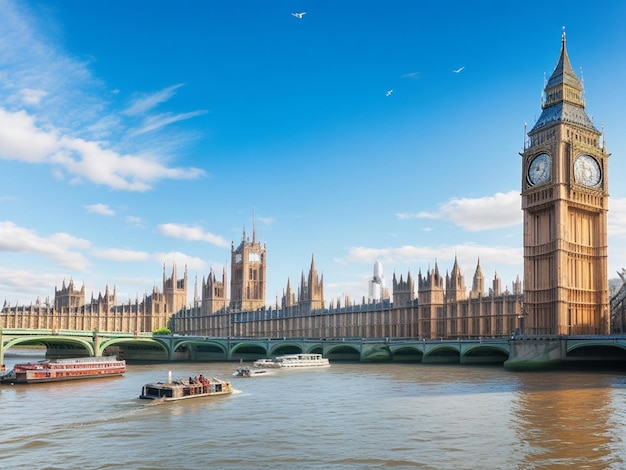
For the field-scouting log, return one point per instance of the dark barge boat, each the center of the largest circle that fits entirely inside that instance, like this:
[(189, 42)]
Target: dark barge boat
[(181, 389)]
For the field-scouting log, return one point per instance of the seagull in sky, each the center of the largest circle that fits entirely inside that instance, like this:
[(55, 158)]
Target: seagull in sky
[(299, 15), (458, 70), (389, 92)]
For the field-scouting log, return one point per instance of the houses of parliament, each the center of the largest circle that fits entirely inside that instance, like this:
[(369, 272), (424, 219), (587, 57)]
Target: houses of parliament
[(444, 310), (564, 199)]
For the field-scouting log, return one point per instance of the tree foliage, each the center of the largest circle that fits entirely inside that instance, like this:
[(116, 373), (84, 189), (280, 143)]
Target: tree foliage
[(162, 331)]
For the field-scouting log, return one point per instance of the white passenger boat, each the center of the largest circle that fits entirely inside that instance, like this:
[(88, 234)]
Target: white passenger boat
[(266, 363), (249, 372), (294, 361)]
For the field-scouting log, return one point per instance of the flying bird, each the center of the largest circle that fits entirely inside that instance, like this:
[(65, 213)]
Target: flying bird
[(389, 92), (458, 70), (299, 15)]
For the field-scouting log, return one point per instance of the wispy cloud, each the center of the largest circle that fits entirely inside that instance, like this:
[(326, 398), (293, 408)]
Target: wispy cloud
[(417, 215), (617, 218), (413, 75), (189, 233), (143, 103), (134, 221), (153, 123), (426, 254), (62, 248), (121, 255), (72, 116), (118, 254), (475, 214), (181, 259), (29, 283), (22, 140), (32, 97), (101, 209), (421, 256)]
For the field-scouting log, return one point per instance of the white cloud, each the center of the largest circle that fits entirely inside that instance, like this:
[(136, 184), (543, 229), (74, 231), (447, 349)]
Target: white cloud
[(485, 213), (418, 215), (186, 232), (426, 254), (146, 102), (181, 259), (161, 258), (135, 221), (32, 97), (31, 285), (117, 254), (68, 132), (22, 140), (617, 218), (62, 248), (153, 123), (101, 209)]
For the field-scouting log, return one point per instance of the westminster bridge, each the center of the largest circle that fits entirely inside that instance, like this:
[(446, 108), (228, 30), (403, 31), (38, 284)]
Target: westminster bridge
[(515, 352)]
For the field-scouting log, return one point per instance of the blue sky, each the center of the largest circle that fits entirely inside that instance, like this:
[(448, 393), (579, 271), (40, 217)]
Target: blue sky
[(138, 134)]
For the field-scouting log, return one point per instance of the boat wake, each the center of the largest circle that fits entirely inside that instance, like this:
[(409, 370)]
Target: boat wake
[(121, 415)]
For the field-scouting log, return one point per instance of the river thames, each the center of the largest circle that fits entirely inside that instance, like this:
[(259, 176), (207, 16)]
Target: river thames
[(349, 416)]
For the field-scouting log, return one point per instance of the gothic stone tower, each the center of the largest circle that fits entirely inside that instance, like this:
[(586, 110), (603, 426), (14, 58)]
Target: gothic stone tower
[(68, 297), (311, 293), (247, 278), (454, 296), (175, 291), (431, 309), (565, 203), (213, 294), (403, 291)]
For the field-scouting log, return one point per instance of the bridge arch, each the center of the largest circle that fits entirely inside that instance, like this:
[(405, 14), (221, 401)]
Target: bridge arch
[(484, 353), (343, 352), (49, 341), (442, 353), (198, 349), (407, 353), (285, 348), (579, 351), (249, 350), (151, 348)]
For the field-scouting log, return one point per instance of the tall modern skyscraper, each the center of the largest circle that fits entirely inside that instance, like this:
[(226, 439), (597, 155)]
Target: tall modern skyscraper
[(376, 286)]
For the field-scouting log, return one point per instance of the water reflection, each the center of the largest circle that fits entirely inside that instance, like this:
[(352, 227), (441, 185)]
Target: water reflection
[(566, 420)]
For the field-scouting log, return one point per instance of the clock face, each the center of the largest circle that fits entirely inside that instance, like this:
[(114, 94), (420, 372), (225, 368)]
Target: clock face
[(237, 257), (587, 170), (539, 169), (254, 257)]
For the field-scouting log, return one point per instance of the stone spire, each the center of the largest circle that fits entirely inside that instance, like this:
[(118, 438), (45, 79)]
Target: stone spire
[(563, 97)]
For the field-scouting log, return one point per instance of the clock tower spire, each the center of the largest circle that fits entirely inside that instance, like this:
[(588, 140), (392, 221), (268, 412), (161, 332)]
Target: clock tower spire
[(565, 204)]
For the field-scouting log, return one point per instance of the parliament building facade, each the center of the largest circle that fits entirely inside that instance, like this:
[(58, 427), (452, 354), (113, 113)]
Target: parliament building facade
[(444, 310)]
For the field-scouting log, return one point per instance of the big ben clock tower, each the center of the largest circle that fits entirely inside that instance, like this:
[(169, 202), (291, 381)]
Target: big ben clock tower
[(565, 204)]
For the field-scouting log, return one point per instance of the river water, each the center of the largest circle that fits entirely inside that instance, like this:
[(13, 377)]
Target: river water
[(349, 416)]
